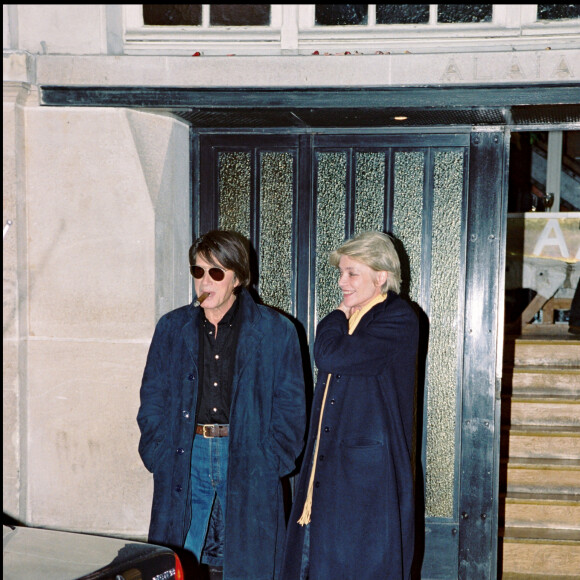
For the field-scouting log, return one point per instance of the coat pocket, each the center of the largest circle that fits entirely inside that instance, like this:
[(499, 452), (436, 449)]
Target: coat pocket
[(360, 443)]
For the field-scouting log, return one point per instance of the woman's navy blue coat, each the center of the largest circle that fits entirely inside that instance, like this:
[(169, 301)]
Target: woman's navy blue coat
[(267, 424), (362, 509)]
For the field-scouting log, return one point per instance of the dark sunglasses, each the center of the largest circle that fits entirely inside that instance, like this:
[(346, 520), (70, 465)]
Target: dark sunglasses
[(217, 274)]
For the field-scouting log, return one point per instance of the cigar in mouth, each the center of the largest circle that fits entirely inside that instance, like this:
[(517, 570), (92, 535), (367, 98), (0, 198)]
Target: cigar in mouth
[(200, 299)]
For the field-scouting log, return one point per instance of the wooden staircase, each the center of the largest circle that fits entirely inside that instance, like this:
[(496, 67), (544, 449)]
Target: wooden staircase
[(540, 459)]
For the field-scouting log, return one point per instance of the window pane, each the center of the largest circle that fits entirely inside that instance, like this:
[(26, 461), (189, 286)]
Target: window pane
[(444, 327), (239, 15), (453, 13), (409, 180), (276, 195), (402, 13), (558, 11), (330, 228), (340, 14), (234, 190), (370, 192), (172, 14)]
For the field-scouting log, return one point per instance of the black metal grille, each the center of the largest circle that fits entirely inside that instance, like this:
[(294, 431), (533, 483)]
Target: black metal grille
[(546, 114), (327, 118)]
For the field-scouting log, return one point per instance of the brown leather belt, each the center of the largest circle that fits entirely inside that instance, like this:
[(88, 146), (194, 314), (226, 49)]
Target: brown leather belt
[(212, 430)]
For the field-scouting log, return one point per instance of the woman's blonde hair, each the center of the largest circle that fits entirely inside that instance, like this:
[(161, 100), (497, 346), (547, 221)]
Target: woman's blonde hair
[(377, 251)]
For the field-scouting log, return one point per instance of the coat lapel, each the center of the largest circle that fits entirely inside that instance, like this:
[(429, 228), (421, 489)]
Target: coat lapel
[(249, 337), (370, 315)]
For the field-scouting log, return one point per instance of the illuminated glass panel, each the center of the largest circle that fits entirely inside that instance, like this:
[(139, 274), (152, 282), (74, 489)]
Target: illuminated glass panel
[(234, 187), (442, 361), (370, 192), (408, 213), (330, 228), (276, 194)]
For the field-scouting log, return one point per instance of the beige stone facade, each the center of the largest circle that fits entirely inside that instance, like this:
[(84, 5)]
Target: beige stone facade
[(99, 201)]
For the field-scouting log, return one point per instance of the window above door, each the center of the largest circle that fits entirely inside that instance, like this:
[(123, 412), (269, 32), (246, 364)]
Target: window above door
[(230, 29)]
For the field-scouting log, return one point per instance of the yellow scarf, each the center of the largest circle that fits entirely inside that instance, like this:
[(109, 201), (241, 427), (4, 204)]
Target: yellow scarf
[(352, 324)]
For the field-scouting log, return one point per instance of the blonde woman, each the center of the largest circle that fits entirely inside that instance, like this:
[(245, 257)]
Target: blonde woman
[(354, 510)]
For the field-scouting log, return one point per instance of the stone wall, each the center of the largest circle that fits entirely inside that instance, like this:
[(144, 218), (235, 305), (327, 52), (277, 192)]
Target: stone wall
[(100, 201)]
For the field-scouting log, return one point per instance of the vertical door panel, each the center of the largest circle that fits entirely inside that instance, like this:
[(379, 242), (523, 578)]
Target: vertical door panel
[(330, 226), (276, 203), (234, 180), (369, 199)]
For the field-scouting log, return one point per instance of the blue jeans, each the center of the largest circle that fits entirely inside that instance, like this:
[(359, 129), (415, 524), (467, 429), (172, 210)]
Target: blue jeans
[(209, 476)]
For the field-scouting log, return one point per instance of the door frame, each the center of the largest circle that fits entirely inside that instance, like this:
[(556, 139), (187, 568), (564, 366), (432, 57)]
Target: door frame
[(473, 528)]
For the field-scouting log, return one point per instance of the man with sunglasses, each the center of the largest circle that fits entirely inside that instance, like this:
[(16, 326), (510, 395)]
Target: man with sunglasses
[(222, 417)]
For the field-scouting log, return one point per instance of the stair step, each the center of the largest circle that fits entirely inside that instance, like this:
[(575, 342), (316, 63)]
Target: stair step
[(553, 476), (540, 559), (540, 442), (542, 517), (541, 381), (555, 411), (541, 351)]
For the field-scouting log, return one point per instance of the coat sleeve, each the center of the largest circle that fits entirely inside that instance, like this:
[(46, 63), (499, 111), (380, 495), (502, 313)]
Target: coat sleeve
[(154, 392), (371, 347), (289, 402)]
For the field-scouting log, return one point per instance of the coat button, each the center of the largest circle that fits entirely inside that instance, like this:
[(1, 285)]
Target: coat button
[(326, 429), (317, 484), (321, 457), (185, 414), (338, 377), (190, 377), (332, 401), (180, 451), (178, 488)]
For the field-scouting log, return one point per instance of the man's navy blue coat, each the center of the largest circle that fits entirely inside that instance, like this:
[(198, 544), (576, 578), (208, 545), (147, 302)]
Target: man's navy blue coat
[(267, 424), (362, 509)]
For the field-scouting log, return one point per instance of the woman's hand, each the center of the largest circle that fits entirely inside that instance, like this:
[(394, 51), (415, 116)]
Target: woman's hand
[(348, 311)]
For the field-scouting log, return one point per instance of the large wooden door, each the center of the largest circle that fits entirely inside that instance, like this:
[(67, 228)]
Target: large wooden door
[(297, 197)]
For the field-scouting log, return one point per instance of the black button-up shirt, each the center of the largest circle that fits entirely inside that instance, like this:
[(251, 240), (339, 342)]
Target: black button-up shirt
[(217, 355)]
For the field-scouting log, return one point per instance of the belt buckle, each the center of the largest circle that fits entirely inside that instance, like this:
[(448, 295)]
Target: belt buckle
[(208, 429)]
